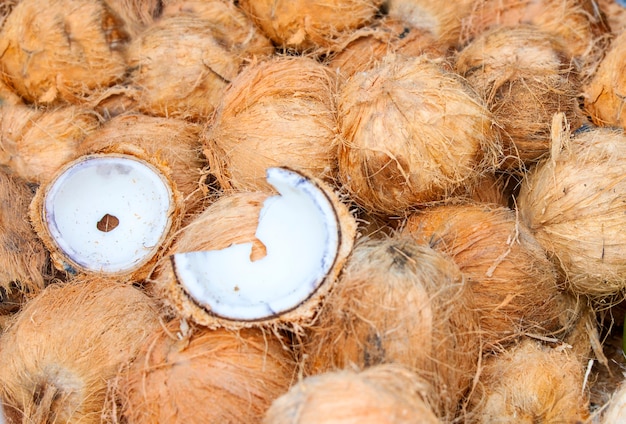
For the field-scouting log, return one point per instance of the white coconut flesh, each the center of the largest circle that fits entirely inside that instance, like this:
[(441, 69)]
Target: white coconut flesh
[(300, 231), (108, 213)]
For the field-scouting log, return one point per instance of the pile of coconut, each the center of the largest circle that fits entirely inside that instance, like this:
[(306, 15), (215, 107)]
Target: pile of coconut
[(329, 211)]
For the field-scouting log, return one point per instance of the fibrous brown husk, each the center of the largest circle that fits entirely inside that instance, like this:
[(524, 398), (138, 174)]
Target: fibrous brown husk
[(305, 25), (182, 64), (35, 143), (412, 134), (201, 375), (525, 76), (8, 96), (137, 15), (514, 283), (615, 12), (573, 204), (615, 411), (381, 394), (400, 302), (278, 112), (62, 50), (67, 344)]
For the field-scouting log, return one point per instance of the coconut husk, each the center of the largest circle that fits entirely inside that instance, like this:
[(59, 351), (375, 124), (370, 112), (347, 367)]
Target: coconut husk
[(67, 344), (35, 143), (381, 394), (489, 188), (62, 50), (615, 12), (8, 96), (204, 54), (5, 9), (136, 15), (531, 382), (412, 134), (603, 98), (305, 26), (521, 65), (279, 112), (514, 283), (572, 204), (400, 302), (233, 375), (615, 411)]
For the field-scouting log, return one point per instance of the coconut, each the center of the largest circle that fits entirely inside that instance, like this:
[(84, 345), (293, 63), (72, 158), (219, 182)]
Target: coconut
[(615, 411), (62, 50), (531, 382), (5, 9), (136, 15), (615, 12), (199, 375), (259, 258), (412, 133), (305, 25), (279, 112), (521, 65), (381, 394), (604, 99), (67, 344), (8, 96), (182, 64), (35, 143), (489, 188), (573, 204), (400, 302)]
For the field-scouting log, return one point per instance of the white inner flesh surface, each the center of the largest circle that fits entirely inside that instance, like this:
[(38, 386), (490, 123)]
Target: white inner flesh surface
[(299, 229), (125, 188)]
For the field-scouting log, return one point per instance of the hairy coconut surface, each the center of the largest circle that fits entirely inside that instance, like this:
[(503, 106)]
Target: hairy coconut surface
[(62, 50), (572, 203), (412, 133), (310, 25), (531, 382), (182, 63), (525, 77), (604, 94), (200, 375), (514, 283), (381, 394), (36, 142), (278, 112), (8, 95), (67, 344), (489, 188), (137, 15), (615, 411), (615, 12), (400, 302)]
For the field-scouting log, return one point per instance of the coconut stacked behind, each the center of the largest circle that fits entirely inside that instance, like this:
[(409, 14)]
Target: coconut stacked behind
[(525, 76), (404, 303), (66, 345), (412, 133)]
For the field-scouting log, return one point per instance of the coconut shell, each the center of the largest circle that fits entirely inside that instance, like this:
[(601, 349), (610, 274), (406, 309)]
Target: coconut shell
[(514, 284), (35, 143), (67, 344), (203, 54), (572, 203), (521, 65), (381, 394), (62, 50), (412, 134), (310, 26), (400, 302), (233, 376), (279, 112)]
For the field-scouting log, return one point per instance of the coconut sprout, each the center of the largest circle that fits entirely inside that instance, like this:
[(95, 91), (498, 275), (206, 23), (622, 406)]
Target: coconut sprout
[(189, 374)]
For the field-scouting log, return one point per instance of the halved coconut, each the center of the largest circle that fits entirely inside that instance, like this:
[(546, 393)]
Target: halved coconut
[(255, 258), (106, 214)]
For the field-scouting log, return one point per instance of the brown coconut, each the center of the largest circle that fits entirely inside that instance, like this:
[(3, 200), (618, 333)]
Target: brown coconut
[(35, 142), (572, 203), (182, 64), (62, 50), (531, 382), (412, 133), (197, 375), (136, 15), (525, 77), (604, 94), (400, 302), (310, 25), (278, 112), (381, 394), (514, 283), (67, 345)]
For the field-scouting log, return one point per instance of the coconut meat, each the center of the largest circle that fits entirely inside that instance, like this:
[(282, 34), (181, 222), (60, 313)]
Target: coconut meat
[(300, 231), (108, 213)]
